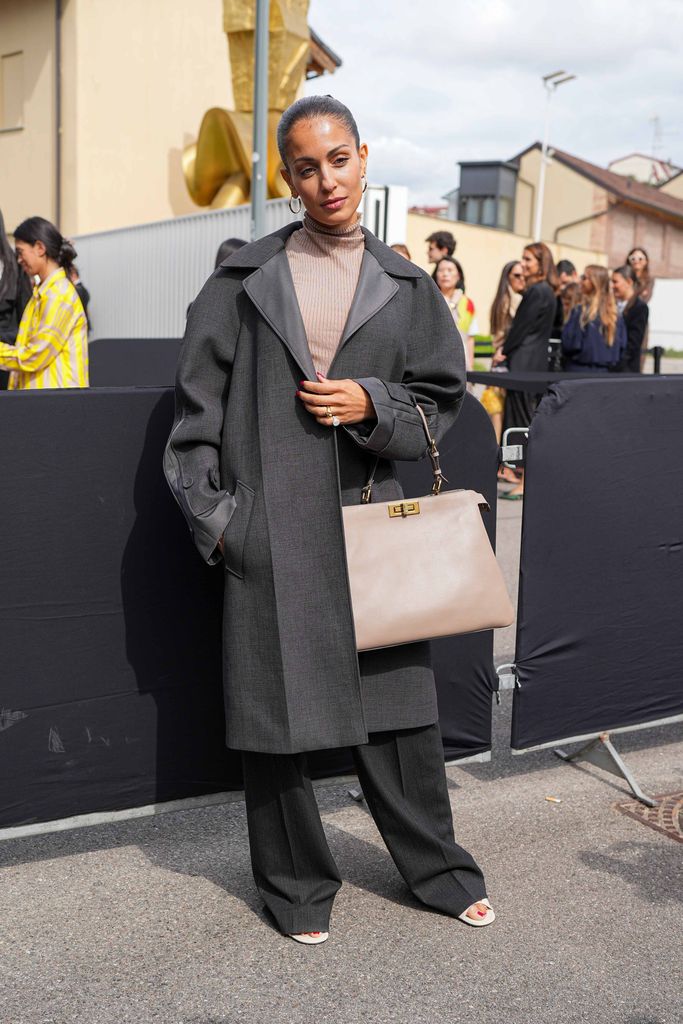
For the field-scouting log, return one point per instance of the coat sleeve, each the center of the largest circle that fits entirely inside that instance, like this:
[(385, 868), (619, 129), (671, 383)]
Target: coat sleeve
[(531, 308), (572, 335), (636, 325), (434, 377), (620, 338), (192, 456)]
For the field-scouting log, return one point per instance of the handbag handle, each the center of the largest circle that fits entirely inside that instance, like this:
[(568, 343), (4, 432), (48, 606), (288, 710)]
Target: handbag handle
[(432, 452)]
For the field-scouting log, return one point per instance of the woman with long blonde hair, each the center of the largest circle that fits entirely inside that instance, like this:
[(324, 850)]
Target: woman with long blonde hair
[(594, 337)]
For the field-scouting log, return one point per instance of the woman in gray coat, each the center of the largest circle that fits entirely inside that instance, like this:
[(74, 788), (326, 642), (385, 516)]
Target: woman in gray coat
[(305, 355)]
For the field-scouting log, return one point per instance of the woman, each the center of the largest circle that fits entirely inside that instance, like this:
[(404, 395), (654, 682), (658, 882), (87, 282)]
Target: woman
[(525, 348), (503, 310), (570, 297), (15, 291), (594, 337), (304, 356), (635, 313), (450, 281), (638, 259), (51, 349)]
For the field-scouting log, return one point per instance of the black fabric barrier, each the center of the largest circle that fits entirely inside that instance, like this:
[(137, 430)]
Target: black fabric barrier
[(133, 362), (111, 693), (599, 638), (536, 382)]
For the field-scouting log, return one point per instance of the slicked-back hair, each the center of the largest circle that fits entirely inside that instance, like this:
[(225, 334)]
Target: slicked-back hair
[(58, 248), (310, 108)]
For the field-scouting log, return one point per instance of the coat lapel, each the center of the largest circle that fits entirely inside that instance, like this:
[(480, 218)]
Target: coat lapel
[(376, 284), (271, 289), (374, 289)]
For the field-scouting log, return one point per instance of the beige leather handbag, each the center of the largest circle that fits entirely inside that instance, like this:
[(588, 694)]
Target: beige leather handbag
[(422, 568)]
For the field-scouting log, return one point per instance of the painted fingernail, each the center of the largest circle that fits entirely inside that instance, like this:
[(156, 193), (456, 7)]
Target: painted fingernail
[(301, 383)]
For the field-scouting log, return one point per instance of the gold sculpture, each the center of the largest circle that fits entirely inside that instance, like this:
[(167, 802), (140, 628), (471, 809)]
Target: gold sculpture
[(218, 166)]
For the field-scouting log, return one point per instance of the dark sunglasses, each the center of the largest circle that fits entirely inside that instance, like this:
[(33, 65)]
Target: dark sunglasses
[(516, 275)]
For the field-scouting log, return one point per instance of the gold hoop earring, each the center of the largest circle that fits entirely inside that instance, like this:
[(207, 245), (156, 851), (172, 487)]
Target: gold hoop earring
[(297, 199), (365, 184)]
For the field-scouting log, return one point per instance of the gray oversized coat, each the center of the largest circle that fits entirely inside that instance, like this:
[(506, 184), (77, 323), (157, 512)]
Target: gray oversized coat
[(245, 461)]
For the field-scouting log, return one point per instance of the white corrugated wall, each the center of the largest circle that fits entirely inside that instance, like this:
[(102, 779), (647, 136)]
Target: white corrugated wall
[(141, 279)]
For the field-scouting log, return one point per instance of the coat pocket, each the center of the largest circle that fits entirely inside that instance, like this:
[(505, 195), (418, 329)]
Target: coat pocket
[(235, 533)]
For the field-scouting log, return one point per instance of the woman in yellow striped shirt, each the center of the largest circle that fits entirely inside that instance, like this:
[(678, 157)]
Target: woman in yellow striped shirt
[(51, 349)]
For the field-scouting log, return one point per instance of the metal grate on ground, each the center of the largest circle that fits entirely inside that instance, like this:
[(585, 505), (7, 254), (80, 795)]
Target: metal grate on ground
[(666, 817)]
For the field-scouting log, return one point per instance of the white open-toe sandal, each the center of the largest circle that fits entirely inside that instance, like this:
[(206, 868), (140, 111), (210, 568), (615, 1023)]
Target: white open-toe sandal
[(488, 918), (310, 938)]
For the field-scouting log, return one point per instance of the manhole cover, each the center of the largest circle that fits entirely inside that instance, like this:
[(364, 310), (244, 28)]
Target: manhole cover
[(666, 817)]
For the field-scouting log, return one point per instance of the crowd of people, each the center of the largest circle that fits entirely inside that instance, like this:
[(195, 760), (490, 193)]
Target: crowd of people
[(598, 321)]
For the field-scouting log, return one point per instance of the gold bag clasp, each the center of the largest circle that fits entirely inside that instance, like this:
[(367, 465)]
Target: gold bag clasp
[(404, 508)]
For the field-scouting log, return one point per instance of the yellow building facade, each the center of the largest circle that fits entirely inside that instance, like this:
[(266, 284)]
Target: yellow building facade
[(99, 101)]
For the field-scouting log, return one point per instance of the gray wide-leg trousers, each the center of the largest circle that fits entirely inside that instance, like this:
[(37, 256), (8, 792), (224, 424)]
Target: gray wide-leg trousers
[(404, 784)]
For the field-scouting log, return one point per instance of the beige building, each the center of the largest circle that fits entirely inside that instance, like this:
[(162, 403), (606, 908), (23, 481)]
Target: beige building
[(483, 252), (590, 215), (584, 206), (98, 101), (650, 170)]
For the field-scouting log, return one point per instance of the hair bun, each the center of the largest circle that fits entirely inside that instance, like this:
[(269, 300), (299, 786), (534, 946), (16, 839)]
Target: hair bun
[(67, 253)]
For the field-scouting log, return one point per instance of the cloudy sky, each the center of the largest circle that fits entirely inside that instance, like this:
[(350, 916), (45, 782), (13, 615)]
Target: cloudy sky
[(435, 82)]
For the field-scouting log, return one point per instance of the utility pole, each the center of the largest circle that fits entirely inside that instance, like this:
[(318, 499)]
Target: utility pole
[(550, 84), (259, 159)]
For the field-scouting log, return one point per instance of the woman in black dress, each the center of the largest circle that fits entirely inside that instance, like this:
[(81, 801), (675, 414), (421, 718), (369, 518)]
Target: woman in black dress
[(526, 347), (635, 313)]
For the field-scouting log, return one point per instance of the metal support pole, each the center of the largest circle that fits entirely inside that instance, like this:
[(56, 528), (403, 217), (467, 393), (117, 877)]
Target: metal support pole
[(58, 114), (538, 219), (550, 84), (657, 353), (602, 753), (259, 165)]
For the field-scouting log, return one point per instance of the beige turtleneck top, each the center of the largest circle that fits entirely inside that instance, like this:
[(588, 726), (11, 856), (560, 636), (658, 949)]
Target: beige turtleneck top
[(325, 265)]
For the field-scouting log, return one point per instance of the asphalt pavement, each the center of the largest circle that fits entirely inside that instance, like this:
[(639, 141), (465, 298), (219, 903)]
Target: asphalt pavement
[(157, 919)]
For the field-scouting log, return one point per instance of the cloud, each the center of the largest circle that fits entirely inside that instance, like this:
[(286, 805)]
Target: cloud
[(434, 83)]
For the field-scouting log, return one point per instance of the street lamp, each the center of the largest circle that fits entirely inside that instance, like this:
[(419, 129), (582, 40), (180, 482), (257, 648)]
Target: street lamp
[(550, 84), (259, 166)]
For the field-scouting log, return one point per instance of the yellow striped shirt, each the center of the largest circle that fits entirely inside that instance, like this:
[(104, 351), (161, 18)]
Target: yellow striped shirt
[(52, 343)]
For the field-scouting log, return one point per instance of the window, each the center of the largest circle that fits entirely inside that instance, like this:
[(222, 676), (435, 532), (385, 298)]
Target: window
[(12, 90), (479, 210), (505, 213), (489, 211)]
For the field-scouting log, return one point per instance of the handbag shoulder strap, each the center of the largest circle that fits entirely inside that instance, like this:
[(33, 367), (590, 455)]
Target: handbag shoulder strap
[(432, 452)]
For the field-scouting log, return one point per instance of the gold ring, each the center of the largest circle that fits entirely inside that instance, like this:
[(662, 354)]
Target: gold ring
[(329, 412)]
